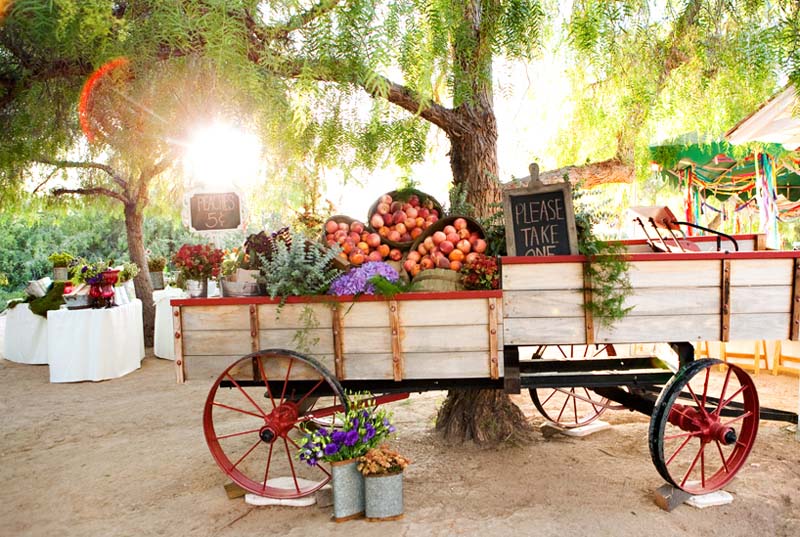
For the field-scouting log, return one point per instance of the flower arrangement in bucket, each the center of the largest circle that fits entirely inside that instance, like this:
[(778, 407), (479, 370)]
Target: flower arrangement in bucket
[(197, 263), (383, 489), (362, 428), (480, 273)]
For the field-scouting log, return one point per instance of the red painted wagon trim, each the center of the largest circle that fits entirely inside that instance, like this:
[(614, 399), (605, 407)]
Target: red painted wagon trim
[(247, 300), (695, 256)]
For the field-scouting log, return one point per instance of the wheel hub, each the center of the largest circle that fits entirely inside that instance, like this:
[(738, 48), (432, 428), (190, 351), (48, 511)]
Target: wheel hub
[(279, 422), (709, 426)]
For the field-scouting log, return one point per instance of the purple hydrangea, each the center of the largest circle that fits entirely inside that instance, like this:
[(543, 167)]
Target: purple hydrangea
[(356, 280)]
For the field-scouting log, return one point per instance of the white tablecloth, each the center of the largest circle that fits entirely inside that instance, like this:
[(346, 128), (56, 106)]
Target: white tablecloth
[(95, 344), (163, 345), (26, 336)]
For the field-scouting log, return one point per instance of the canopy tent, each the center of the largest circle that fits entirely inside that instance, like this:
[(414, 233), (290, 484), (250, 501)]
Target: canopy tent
[(773, 122)]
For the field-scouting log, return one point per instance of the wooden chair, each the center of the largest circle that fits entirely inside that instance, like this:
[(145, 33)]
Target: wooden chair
[(755, 358), (778, 364), (701, 350)]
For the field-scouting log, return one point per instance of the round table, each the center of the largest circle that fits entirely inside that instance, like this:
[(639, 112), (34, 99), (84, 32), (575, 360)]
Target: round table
[(26, 336), (163, 343)]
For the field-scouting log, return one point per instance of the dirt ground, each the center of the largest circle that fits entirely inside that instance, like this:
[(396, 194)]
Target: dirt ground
[(127, 457)]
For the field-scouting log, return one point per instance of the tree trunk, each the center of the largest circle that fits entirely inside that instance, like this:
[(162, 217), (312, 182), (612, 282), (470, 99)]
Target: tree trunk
[(592, 174), (484, 416), (473, 157), (134, 221)]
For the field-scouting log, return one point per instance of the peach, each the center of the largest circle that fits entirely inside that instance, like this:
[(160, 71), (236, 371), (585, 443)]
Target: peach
[(453, 237), (398, 216), (383, 231), (414, 256), (384, 250), (396, 206), (363, 246), (353, 236), (456, 255), (388, 219), (443, 263), (416, 232), (429, 244), (344, 226), (347, 247), (446, 247), (415, 270), (413, 200), (460, 223), (357, 226), (449, 229), (410, 223), (376, 221), (438, 237), (400, 228), (395, 254), (464, 246), (480, 246), (375, 255), (432, 219), (356, 257), (455, 265), (386, 198), (422, 249), (426, 263), (373, 240), (463, 233), (471, 257), (408, 265), (382, 209), (424, 212), (331, 226), (405, 237), (394, 235), (420, 221), (412, 212)]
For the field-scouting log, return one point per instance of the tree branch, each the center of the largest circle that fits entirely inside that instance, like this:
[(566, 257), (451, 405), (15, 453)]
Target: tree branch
[(295, 22), (93, 191), (86, 166)]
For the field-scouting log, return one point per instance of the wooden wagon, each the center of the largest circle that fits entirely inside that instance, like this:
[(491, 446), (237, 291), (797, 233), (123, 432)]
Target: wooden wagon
[(287, 365)]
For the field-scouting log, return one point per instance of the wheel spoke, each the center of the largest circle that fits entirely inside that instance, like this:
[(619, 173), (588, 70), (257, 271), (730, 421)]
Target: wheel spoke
[(731, 398), (738, 418), (286, 380), (703, 465), (260, 416), (697, 401), (722, 456), (238, 434), (575, 405), (266, 381), (310, 391), (705, 387), (266, 470), (591, 401), (249, 451), (691, 467), (669, 461), (682, 435), (562, 352), (247, 396), (291, 465), (722, 395), (555, 391), (566, 401)]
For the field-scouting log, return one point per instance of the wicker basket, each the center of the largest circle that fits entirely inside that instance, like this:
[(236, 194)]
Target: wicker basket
[(438, 280), (403, 195)]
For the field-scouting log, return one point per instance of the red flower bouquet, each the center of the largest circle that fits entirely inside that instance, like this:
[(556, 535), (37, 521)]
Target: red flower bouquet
[(480, 273), (198, 261)]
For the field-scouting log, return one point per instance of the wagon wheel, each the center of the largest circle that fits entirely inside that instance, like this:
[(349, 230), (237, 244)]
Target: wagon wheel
[(570, 407), (704, 425), (253, 415)]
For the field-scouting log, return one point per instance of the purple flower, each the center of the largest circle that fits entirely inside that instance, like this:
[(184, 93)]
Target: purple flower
[(357, 279), (370, 433), (331, 448), (351, 438), (338, 436), (322, 431)]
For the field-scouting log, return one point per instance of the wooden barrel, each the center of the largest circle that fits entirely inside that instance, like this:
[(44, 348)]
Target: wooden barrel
[(438, 280)]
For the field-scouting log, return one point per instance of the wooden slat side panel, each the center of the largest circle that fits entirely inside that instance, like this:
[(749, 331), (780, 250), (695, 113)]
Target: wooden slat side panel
[(453, 338), (543, 276), (216, 317), (207, 367), (661, 328), (446, 365), (365, 314), (543, 331), (761, 272), (275, 368), (761, 299), (444, 312), (674, 274), (543, 303), (760, 326), (291, 315), (368, 366), (217, 342), (320, 340), (367, 340), (669, 301)]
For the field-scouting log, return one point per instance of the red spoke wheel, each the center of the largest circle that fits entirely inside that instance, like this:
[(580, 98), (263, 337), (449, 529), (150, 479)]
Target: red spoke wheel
[(253, 416), (570, 407), (704, 425)]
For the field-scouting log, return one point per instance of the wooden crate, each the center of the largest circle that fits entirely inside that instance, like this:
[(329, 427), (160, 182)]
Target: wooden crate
[(414, 336)]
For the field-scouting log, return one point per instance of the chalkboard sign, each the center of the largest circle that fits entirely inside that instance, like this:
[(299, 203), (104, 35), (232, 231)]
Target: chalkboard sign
[(540, 220), (215, 211)]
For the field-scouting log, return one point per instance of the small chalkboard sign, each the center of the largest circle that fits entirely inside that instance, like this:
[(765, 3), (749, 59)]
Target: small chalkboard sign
[(215, 211), (540, 220)]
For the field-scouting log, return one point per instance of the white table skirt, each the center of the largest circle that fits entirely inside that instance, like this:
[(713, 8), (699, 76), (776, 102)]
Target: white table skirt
[(95, 344), (163, 343), (26, 336)]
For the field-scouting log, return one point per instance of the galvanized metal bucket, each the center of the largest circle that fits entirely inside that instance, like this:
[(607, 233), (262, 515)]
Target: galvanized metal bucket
[(383, 496), (348, 490)]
